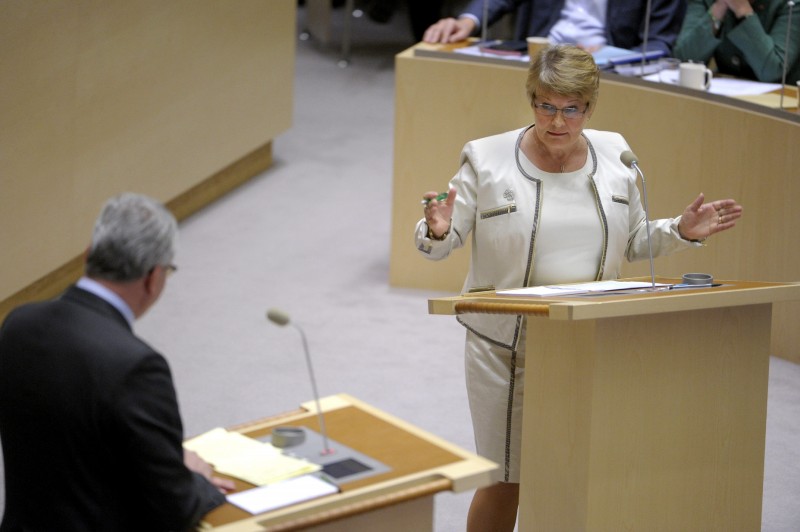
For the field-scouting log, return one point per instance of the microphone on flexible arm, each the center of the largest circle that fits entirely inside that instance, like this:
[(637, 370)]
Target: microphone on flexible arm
[(278, 317), (790, 3), (630, 160)]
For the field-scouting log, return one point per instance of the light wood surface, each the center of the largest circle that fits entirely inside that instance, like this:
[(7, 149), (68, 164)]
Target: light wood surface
[(623, 303), (645, 411), (647, 422), (687, 141), (400, 499), (148, 96)]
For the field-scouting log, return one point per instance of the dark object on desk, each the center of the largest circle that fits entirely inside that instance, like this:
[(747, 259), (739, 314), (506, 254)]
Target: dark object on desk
[(506, 48), (683, 285), (344, 468)]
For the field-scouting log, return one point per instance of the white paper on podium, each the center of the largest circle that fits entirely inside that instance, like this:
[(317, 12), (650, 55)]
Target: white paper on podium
[(722, 86), (280, 494), (576, 288)]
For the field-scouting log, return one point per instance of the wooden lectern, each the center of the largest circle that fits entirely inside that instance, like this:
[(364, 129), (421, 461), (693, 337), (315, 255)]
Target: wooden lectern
[(398, 500), (643, 411)]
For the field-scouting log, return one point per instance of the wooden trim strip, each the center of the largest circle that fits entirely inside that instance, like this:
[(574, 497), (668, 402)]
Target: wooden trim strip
[(484, 307), (219, 184)]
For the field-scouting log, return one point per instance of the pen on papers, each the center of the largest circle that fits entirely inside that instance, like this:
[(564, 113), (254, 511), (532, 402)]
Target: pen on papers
[(440, 197)]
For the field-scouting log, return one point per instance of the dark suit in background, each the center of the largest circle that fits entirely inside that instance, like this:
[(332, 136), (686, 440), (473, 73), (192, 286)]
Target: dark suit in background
[(90, 426), (624, 20)]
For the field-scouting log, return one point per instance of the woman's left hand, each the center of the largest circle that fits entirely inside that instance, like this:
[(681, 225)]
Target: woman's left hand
[(701, 220)]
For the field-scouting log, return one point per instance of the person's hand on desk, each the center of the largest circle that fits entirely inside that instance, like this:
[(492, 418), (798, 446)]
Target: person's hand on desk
[(449, 30), (701, 220), (438, 214), (194, 463)]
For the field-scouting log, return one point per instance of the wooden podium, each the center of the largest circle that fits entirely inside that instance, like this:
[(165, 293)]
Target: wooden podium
[(643, 411), (397, 500)]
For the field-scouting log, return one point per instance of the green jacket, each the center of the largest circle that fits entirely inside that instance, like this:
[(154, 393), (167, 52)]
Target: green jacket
[(750, 48)]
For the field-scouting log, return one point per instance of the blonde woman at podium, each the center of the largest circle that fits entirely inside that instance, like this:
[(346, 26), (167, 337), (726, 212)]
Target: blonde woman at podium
[(546, 204)]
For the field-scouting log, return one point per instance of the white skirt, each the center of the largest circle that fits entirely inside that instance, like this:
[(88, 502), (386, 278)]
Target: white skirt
[(495, 379)]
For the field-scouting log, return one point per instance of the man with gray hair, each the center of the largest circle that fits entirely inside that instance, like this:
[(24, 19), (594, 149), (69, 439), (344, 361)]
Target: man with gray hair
[(89, 420)]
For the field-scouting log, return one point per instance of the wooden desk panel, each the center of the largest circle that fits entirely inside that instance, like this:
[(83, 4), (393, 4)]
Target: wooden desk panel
[(650, 422)]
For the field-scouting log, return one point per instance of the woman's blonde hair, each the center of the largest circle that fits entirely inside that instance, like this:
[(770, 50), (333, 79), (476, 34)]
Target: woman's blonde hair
[(564, 70)]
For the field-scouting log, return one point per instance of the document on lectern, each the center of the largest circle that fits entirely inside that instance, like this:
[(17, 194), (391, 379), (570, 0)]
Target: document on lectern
[(274, 496), (253, 461), (558, 290)]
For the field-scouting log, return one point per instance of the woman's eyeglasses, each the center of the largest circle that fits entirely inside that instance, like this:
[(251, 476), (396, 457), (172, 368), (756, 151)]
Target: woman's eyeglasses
[(569, 113)]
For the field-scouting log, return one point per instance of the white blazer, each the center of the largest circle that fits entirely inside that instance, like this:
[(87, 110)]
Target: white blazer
[(500, 205)]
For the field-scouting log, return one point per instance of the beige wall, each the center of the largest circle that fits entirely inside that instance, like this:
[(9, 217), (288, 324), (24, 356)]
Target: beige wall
[(97, 97), (688, 142)]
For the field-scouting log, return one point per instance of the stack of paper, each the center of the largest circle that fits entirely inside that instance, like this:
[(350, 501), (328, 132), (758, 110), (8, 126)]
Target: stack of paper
[(234, 454), (752, 91), (602, 57), (292, 491), (577, 288)]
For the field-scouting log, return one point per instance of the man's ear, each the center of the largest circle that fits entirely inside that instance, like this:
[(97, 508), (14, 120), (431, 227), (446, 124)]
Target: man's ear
[(149, 281)]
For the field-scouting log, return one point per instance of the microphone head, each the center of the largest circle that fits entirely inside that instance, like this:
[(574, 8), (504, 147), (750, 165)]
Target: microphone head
[(278, 317), (628, 158)]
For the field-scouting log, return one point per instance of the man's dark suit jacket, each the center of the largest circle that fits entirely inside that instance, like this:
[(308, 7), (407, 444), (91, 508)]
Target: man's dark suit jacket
[(624, 20), (90, 426)]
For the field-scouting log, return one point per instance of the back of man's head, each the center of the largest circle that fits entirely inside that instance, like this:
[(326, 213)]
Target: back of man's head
[(133, 234)]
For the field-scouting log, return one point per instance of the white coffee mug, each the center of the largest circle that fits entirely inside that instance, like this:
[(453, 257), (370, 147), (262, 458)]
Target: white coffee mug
[(694, 76)]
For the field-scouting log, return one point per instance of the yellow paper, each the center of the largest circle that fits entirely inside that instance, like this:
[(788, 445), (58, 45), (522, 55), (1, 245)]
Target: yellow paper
[(234, 454)]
